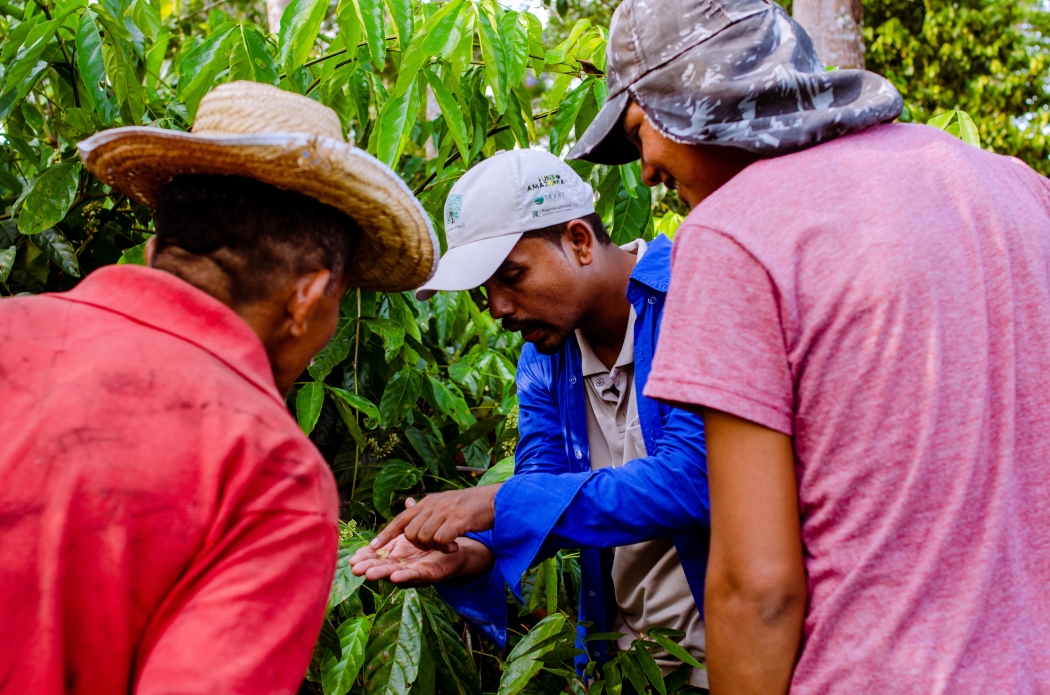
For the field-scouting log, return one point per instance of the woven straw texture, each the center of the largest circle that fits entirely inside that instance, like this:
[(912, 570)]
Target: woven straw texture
[(290, 142)]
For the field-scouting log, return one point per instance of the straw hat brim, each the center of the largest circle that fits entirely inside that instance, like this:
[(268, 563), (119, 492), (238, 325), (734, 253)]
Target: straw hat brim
[(398, 249)]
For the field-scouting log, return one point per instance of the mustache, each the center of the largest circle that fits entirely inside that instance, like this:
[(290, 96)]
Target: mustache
[(521, 325)]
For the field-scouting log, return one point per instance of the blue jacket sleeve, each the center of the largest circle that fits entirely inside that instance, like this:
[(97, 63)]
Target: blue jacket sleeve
[(662, 495), (481, 600)]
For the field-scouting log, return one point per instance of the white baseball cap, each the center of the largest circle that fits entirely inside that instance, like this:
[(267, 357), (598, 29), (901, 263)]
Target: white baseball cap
[(497, 201)]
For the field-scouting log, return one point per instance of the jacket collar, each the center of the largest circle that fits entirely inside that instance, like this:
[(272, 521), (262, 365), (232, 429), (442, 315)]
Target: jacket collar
[(168, 304), (654, 268)]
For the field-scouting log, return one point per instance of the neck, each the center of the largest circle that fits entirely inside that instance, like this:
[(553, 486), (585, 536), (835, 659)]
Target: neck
[(605, 322)]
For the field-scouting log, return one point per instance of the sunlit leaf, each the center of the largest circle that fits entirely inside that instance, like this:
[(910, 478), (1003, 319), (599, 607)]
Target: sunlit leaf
[(400, 395), (300, 24), (198, 68), (392, 334), (250, 59), (568, 110), (395, 646), (345, 582), (372, 15), (338, 674), (968, 129), (359, 403), (499, 472), (518, 669), (136, 255), (146, 17), (349, 26), (441, 33), (516, 41), (7, 261), (451, 403), (335, 351), (401, 13), (90, 62), (391, 124), (49, 200), (493, 50), (308, 405), (125, 83)]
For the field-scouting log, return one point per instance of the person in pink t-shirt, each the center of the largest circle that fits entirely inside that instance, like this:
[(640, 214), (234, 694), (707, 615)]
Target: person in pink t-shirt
[(861, 312)]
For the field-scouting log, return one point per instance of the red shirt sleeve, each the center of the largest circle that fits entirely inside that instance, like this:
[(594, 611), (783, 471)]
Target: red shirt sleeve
[(721, 342), (245, 617)]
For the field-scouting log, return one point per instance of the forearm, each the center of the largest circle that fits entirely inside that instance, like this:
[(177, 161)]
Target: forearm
[(477, 559)]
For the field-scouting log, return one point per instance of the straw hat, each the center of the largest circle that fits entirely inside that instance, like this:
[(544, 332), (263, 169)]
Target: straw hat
[(291, 142)]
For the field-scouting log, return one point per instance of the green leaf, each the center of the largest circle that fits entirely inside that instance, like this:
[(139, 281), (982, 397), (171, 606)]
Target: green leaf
[(401, 12), (49, 200), (372, 19), (250, 59), (359, 403), (452, 112), (337, 675), (632, 670), (349, 26), (518, 126), (335, 351), (126, 87), (345, 582), (612, 678), (394, 646), (198, 68), (21, 73), (516, 40), (136, 255), (400, 395), (521, 665), (396, 116), (396, 475), (457, 673), (350, 420), (676, 650), (631, 213), (649, 667), (451, 404), (147, 18), (568, 110), (556, 656), (392, 334), (499, 472), (941, 122), (300, 25), (603, 636), (968, 129), (308, 405), (442, 32), (90, 62), (7, 261), (494, 51), (56, 246)]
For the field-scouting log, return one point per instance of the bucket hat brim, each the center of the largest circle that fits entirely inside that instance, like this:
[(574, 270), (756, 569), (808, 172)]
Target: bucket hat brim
[(604, 141), (398, 249)]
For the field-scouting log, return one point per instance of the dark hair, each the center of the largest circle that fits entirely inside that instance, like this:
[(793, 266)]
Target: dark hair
[(553, 234), (254, 232)]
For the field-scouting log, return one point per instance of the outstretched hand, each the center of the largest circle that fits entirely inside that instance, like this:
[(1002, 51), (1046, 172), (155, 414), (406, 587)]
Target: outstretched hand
[(403, 563), (436, 521)]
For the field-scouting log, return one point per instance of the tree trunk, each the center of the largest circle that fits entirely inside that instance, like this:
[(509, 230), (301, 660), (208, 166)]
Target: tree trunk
[(835, 26), (274, 10)]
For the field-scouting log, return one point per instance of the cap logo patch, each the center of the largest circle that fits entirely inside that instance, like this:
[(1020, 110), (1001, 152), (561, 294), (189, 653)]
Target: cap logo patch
[(453, 207), (545, 181)]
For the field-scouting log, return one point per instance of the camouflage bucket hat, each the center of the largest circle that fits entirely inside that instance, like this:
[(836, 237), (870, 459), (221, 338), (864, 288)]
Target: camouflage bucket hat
[(727, 72)]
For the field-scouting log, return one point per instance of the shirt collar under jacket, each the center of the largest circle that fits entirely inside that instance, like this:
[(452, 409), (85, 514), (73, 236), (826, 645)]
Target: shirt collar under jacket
[(162, 301), (588, 360)]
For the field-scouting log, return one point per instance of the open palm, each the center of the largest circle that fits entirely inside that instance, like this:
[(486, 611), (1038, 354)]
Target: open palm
[(403, 563)]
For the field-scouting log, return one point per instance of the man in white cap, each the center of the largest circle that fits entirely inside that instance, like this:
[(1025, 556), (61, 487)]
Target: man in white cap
[(599, 465)]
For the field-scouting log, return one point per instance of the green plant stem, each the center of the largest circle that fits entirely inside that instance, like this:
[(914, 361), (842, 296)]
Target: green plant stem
[(357, 450)]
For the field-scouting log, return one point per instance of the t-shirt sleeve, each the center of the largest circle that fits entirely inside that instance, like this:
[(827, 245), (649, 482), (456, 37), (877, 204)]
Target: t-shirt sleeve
[(721, 342)]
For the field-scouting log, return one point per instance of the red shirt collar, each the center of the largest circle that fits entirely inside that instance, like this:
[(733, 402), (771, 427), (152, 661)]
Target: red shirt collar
[(171, 305)]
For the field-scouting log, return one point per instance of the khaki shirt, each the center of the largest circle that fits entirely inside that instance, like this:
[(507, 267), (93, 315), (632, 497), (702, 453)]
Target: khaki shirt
[(650, 585)]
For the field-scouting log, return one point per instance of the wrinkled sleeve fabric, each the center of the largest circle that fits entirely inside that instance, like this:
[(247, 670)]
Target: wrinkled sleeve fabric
[(246, 621), (722, 343)]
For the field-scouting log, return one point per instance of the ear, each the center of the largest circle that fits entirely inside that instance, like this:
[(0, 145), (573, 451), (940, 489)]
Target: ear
[(150, 250), (307, 291), (580, 238)]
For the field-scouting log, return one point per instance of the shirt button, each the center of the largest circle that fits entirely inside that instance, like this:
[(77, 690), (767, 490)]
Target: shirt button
[(572, 380), (595, 655), (591, 594), (652, 300), (579, 454), (601, 382)]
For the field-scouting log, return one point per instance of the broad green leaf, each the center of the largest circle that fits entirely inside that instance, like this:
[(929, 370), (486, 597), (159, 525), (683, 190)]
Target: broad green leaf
[(397, 116), (308, 405), (521, 665), (493, 50), (941, 122), (337, 675), (550, 586), (668, 224), (359, 403), (156, 55), (250, 59), (400, 396), (401, 13), (452, 112), (396, 475), (536, 47), (499, 472), (7, 261), (568, 110), (676, 650), (136, 255), (457, 673), (56, 246), (22, 72), (424, 447), (16, 36), (603, 636), (394, 646), (349, 26), (345, 582), (335, 351), (631, 213), (372, 14), (633, 671), (198, 68), (612, 678), (516, 41), (442, 32), (126, 87), (517, 123), (300, 25), (146, 17), (349, 418), (90, 61), (968, 129), (451, 404), (49, 200), (649, 667), (392, 334), (463, 53)]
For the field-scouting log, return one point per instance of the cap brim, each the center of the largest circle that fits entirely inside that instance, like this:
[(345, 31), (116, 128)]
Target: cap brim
[(398, 248), (469, 266), (604, 141)]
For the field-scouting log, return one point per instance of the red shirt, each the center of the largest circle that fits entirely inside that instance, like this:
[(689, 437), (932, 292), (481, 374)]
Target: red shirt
[(165, 526)]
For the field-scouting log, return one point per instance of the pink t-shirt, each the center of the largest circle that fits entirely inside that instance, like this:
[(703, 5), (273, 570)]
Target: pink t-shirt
[(885, 300)]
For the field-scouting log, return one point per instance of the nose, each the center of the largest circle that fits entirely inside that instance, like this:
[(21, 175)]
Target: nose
[(499, 304), (650, 174)]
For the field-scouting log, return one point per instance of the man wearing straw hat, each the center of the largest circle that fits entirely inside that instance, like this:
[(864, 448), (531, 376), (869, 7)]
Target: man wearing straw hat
[(166, 526)]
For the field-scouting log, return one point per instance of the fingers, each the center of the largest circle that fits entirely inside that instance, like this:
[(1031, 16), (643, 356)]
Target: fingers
[(397, 526)]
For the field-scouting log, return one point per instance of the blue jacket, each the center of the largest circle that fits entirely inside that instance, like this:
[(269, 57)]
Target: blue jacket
[(554, 500)]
